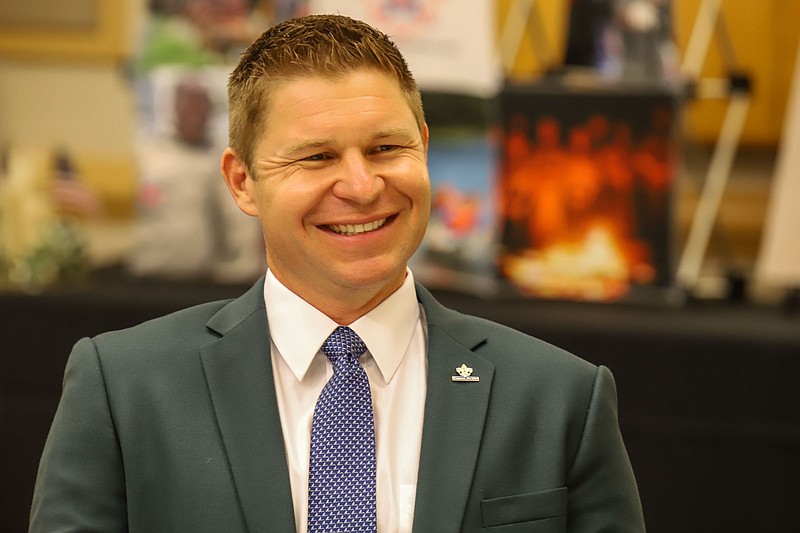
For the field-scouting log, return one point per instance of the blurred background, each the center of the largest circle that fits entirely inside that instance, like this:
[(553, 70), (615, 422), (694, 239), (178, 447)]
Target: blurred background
[(617, 177)]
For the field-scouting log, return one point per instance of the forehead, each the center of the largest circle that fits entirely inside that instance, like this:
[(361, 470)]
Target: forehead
[(318, 96)]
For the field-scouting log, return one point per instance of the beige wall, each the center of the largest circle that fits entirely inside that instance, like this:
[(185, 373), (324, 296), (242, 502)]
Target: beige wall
[(67, 90), (87, 108)]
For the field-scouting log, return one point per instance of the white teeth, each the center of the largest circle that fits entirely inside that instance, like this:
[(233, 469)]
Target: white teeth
[(355, 229)]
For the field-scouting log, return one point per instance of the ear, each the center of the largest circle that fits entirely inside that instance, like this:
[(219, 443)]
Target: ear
[(425, 136), (240, 184)]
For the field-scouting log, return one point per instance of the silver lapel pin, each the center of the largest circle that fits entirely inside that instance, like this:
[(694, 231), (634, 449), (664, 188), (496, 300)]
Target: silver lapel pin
[(464, 374)]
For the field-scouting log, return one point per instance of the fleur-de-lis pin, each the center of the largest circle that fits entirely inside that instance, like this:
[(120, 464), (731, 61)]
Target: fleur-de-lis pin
[(464, 374)]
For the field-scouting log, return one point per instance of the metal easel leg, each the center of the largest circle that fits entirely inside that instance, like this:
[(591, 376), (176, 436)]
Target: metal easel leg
[(707, 209), (700, 38), (737, 88)]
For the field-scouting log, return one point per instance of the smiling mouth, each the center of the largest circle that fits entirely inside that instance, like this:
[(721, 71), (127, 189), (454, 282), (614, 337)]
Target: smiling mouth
[(356, 229)]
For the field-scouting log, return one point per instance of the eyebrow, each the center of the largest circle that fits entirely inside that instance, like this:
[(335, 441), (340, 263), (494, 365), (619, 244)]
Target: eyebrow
[(304, 145), (393, 133)]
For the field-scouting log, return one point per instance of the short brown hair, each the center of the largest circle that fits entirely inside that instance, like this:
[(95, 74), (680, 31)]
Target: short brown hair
[(315, 45)]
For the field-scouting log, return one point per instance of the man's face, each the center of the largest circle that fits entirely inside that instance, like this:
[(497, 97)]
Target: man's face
[(341, 184), (192, 112)]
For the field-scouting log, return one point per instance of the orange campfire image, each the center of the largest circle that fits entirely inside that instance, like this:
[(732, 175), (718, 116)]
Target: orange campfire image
[(578, 207)]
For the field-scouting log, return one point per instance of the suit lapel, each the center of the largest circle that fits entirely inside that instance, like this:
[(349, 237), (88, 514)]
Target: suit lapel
[(240, 382), (455, 413)]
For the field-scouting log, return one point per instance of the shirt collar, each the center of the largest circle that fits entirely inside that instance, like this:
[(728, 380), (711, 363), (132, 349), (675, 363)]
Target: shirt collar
[(298, 329)]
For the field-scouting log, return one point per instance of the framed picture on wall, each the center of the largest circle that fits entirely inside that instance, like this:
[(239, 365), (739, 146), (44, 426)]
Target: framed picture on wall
[(93, 30)]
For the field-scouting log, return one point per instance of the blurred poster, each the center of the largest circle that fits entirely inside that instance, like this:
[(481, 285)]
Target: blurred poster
[(779, 258), (449, 44), (588, 23), (186, 224), (586, 183), (459, 248), (622, 39)]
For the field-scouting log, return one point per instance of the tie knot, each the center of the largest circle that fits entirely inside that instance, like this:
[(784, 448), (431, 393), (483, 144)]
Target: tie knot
[(343, 342)]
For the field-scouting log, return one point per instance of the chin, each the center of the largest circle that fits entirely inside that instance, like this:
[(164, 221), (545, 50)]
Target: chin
[(368, 276)]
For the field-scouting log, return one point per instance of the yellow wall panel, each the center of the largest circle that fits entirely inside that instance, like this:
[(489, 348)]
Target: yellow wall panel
[(764, 37), (551, 17)]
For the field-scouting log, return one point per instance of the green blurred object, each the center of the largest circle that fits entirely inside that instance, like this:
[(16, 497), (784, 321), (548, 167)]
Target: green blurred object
[(60, 257)]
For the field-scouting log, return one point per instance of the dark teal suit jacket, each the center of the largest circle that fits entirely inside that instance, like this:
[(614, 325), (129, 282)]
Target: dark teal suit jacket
[(173, 426)]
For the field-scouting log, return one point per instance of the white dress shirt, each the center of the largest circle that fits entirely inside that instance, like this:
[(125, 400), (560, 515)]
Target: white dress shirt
[(396, 365)]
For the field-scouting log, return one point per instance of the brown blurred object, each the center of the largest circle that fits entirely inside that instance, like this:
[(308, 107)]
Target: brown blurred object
[(70, 195)]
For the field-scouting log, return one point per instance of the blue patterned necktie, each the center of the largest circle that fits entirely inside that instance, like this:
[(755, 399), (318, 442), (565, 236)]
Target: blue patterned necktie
[(341, 485)]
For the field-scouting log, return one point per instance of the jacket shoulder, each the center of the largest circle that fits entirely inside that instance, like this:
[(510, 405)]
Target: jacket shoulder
[(169, 334), (183, 331)]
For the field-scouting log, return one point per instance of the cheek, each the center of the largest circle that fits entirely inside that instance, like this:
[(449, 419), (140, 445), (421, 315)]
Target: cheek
[(419, 190), (286, 215), (426, 191)]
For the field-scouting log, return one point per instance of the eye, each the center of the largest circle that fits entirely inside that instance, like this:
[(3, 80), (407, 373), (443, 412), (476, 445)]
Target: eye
[(316, 157), (386, 148)]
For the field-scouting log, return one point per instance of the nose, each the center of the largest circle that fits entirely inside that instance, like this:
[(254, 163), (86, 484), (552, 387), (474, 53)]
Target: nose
[(358, 181)]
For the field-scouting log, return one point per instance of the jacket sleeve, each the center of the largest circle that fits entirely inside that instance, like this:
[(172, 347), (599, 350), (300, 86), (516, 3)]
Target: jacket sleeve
[(603, 495), (80, 484)]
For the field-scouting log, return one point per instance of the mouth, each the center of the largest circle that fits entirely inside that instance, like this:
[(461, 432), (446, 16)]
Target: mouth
[(349, 230)]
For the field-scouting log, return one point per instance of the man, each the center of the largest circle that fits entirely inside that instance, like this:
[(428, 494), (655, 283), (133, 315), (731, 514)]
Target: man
[(215, 418)]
